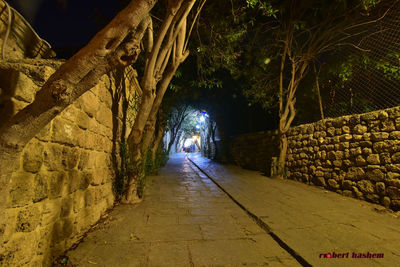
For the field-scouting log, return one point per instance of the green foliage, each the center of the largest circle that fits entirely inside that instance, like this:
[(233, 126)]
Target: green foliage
[(141, 184), (189, 124), (133, 107), (248, 42), (368, 4), (160, 160), (127, 170), (123, 174), (390, 65), (345, 72), (264, 6)]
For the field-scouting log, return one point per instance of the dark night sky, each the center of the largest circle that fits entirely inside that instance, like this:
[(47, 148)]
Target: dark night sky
[(66, 24)]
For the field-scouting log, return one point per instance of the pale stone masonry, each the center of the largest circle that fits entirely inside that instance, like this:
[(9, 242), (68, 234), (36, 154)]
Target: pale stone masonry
[(356, 155), (65, 180)]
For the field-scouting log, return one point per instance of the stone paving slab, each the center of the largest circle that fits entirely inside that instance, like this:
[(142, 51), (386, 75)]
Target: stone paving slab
[(184, 220), (311, 220)]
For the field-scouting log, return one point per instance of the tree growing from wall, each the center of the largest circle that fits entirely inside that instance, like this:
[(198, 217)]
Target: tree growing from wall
[(117, 45)]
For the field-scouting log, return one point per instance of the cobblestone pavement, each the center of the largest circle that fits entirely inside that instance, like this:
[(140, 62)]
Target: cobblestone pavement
[(311, 220), (184, 220)]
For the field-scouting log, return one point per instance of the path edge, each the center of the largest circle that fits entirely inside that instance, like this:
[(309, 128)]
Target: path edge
[(257, 219)]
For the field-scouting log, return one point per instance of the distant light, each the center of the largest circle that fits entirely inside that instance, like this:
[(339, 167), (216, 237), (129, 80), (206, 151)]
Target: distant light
[(197, 126), (267, 61), (188, 142), (206, 115), (202, 119)]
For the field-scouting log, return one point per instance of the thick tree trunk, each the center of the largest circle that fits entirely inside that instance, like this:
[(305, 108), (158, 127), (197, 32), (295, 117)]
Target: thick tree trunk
[(116, 45), (148, 136), (151, 122), (158, 57), (138, 141)]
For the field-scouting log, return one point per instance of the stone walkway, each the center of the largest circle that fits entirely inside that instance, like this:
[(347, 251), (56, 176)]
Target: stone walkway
[(313, 222), (184, 220)]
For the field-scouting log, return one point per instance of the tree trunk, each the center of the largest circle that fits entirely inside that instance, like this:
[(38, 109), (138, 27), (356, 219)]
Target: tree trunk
[(177, 142), (151, 122), (213, 129), (171, 142), (207, 142), (118, 44), (282, 153), (148, 136), (321, 109), (157, 142), (174, 30), (288, 113)]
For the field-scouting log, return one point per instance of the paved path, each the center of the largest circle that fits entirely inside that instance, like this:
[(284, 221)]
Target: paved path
[(184, 220), (311, 220)]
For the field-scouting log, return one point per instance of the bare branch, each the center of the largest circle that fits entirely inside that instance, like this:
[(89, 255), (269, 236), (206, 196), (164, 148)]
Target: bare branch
[(150, 67), (194, 22)]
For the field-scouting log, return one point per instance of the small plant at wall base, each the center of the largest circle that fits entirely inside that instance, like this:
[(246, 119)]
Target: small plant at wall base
[(277, 170), (152, 167), (148, 164), (161, 159), (122, 174), (141, 183), (127, 168)]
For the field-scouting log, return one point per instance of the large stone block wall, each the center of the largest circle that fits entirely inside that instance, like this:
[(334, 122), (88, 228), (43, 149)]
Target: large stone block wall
[(356, 155), (66, 175)]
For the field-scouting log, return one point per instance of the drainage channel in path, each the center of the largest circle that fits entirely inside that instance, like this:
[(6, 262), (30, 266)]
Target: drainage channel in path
[(257, 219)]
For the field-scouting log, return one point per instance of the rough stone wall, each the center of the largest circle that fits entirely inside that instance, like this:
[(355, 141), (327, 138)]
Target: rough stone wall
[(356, 155), (254, 151), (65, 180)]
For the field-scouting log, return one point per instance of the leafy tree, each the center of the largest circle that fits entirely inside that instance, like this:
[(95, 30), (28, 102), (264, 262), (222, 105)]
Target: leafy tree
[(175, 121), (280, 41)]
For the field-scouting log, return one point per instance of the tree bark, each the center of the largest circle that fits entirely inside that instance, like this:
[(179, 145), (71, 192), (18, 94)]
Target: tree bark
[(151, 122), (177, 142), (321, 108), (172, 31), (213, 130), (157, 141), (154, 71), (288, 113), (171, 142)]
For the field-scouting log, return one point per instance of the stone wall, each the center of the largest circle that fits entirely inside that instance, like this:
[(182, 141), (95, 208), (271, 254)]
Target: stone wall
[(254, 151), (66, 175), (356, 155)]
